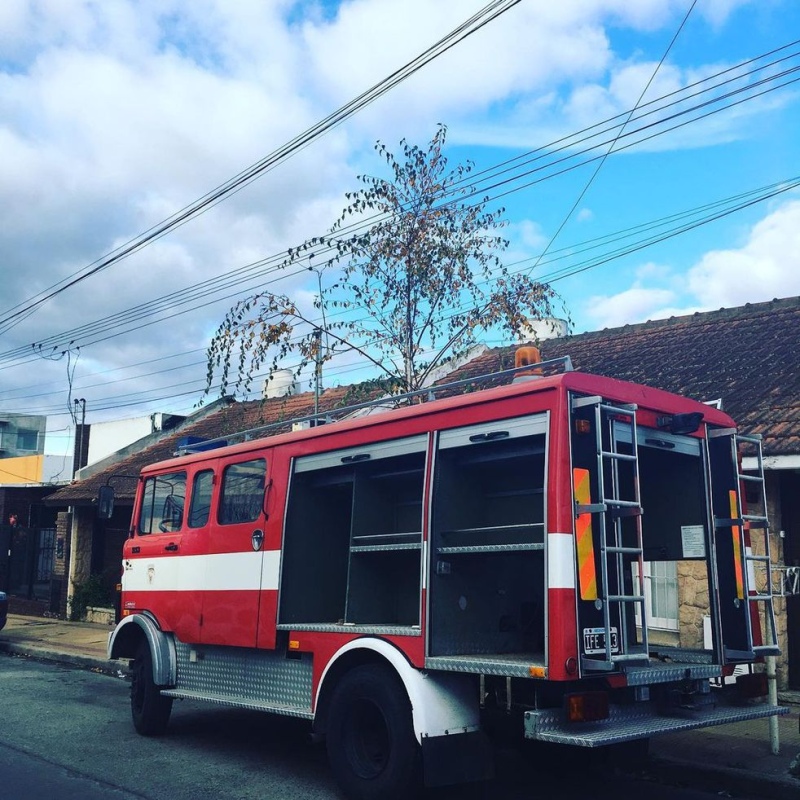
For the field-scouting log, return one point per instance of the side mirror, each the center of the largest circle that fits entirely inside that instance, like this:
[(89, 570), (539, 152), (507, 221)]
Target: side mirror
[(105, 502)]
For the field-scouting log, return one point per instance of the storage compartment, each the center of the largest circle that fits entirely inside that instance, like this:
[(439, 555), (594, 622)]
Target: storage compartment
[(489, 604), (353, 537), (487, 572), (315, 547), (384, 587)]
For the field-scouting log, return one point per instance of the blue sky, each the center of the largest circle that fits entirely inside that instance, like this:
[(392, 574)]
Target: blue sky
[(115, 114)]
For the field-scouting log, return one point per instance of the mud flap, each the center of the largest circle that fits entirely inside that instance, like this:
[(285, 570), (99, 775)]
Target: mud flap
[(457, 758)]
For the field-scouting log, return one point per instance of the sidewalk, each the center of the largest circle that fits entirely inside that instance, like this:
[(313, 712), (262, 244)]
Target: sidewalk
[(733, 758)]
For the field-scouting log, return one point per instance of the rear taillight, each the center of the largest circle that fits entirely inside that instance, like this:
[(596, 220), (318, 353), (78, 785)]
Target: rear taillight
[(587, 706)]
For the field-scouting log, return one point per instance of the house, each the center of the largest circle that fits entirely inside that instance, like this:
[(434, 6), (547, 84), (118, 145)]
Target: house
[(741, 358)]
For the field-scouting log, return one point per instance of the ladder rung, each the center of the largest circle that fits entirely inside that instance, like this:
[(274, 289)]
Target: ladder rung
[(751, 478), (629, 511), (767, 649), (581, 402), (753, 438), (622, 503), (629, 656), (629, 410), (631, 550), (759, 598), (764, 559), (591, 508), (751, 518), (625, 598), (727, 523), (619, 456)]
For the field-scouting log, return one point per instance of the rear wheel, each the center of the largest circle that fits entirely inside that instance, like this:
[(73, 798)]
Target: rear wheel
[(150, 711), (372, 748)]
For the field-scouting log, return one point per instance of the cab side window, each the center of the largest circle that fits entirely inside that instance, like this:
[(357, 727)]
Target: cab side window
[(242, 496), (200, 504), (162, 503)]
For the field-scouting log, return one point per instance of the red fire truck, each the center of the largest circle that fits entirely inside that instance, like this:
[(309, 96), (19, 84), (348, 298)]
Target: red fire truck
[(412, 581)]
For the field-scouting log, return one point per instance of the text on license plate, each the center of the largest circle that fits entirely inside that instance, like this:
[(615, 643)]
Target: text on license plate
[(594, 641)]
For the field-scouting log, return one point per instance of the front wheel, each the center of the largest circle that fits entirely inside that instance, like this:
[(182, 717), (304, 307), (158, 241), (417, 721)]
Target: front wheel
[(150, 711), (372, 748)]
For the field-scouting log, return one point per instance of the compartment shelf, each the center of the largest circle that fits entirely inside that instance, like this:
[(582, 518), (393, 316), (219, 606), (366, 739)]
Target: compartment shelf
[(489, 548), (385, 548)]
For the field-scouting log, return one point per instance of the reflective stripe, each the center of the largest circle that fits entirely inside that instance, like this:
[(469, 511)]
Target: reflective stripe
[(737, 546), (560, 561), (587, 573), (217, 572)]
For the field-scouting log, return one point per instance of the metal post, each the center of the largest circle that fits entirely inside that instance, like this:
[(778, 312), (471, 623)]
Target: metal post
[(772, 688), (772, 694), (318, 335), (317, 371), (79, 453)]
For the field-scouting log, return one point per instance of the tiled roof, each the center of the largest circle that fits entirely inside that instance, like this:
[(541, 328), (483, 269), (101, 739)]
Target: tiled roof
[(745, 356), (231, 418)]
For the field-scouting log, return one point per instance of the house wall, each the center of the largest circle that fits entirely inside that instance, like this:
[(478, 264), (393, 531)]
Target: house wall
[(21, 469), (12, 429)]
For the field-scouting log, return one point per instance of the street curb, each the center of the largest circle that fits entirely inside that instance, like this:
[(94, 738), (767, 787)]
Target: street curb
[(714, 778), (56, 657)]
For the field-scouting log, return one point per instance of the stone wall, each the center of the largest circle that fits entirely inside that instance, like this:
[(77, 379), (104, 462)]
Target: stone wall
[(80, 566), (693, 602)]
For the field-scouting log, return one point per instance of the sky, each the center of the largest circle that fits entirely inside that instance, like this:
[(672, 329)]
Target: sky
[(646, 161)]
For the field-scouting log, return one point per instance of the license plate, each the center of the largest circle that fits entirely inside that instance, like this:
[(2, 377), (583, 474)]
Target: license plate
[(594, 641)]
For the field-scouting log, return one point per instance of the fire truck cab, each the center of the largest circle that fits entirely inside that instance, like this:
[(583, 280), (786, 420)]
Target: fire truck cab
[(411, 581)]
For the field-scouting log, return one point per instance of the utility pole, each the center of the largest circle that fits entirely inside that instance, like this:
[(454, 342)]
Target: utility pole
[(317, 370), (318, 349), (78, 459)]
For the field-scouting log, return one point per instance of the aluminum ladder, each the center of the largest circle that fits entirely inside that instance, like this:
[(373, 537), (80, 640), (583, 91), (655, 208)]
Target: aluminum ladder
[(756, 597), (614, 424)]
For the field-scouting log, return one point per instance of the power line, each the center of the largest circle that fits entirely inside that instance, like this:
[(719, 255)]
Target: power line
[(477, 21), (631, 240), (135, 318)]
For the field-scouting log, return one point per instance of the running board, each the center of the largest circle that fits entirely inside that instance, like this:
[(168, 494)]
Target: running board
[(625, 724), (237, 702)]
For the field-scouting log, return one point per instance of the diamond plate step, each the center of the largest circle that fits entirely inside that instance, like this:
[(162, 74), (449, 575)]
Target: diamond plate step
[(636, 722)]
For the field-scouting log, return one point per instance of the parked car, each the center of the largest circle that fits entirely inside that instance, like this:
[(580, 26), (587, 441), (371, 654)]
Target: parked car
[(3, 609)]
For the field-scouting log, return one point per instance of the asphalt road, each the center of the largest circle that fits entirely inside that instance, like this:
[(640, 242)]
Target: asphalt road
[(67, 733)]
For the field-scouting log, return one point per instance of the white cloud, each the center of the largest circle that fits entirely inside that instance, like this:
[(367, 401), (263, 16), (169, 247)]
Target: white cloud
[(766, 266), (633, 305)]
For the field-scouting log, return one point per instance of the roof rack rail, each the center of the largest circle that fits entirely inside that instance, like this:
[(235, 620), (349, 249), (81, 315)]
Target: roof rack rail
[(550, 367)]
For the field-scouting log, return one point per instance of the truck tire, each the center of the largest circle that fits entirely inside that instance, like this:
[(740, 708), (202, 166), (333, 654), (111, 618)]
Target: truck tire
[(372, 749), (150, 711)]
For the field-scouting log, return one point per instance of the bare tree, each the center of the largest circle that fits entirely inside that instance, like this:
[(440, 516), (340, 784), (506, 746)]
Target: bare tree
[(419, 278)]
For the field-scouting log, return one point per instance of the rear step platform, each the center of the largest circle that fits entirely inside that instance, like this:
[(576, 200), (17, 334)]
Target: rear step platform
[(628, 723)]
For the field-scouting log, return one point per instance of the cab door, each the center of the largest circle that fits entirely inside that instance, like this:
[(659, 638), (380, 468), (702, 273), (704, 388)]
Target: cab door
[(233, 565), (156, 573)]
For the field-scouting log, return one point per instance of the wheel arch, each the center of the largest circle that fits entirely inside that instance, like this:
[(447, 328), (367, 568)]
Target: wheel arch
[(441, 703), (131, 631)]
